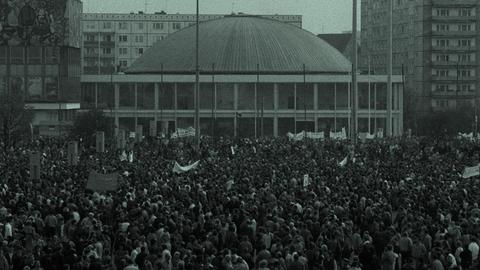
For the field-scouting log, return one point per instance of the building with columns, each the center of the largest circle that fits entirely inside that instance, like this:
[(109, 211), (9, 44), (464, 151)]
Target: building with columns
[(258, 77)]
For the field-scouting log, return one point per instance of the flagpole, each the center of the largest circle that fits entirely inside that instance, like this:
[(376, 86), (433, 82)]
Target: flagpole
[(369, 101), (390, 68), (213, 101), (197, 81), (354, 75)]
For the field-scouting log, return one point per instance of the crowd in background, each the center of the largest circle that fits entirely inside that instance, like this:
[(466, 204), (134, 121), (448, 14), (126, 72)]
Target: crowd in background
[(396, 204)]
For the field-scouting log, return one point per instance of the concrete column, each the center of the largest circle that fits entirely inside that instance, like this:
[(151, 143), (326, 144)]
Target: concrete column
[(235, 108), (175, 105), (155, 117), (96, 95), (400, 109), (315, 105), (275, 109), (136, 105)]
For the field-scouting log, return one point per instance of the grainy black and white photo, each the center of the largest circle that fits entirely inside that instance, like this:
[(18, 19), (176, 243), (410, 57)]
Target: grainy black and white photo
[(239, 134)]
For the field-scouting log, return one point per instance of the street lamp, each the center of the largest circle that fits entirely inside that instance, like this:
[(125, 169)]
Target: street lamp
[(197, 83)]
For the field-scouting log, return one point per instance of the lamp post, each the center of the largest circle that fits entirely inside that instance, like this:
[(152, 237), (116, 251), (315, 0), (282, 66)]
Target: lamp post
[(197, 83)]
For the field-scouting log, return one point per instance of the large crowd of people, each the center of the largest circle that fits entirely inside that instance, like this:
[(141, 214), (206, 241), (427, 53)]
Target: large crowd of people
[(250, 204)]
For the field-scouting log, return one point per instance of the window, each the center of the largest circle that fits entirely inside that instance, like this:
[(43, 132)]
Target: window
[(465, 27), (464, 43), (107, 25), (464, 57), (123, 63), (176, 26), (122, 25), (443, 42), (140, 25), (443, 57), (17, 55), (139, 39), (90, 37), (443, 27), (465, 12), (122, 38), (464, 73), (158, 26), (107, 51), (441, 103), (139, 50), (443, 12), (122, 51), (443, 73), (441, 88), (107, 38)]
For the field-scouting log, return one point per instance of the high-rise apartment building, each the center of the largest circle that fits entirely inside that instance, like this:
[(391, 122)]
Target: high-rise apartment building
[(40, 58), (435, 46), (117, 40)]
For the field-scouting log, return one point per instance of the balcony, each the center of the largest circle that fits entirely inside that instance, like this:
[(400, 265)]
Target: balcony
[(454, 48), (453, 78), (90, 55), (456, 3), (91, 44), (107, 44), (436, 18), (451, 33), (91, 70), (453, 64)]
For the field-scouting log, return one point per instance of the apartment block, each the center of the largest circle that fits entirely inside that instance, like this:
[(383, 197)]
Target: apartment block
[(435, 46), (114, 41)]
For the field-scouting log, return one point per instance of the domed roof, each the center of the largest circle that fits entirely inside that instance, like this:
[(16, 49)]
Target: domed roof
[(242, 45)]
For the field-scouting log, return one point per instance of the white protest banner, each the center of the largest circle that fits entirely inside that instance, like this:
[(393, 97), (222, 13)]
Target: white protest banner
[(341, 135), (183, 133), (181, 169), (370, 136), (132, 135), (343, 162), (102, 182), (380, 133), (471, 171), (230, 184), (465, 135), (316, 135), (254, 150), (296, 137), (130, 157), (233, 150)]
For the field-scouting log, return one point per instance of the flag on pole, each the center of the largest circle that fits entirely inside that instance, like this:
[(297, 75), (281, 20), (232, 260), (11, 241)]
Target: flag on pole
[(471, 171), (343, 162), (181, 169)]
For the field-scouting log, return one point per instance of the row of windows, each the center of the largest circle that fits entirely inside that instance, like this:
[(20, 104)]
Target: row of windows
[(453, 87), (121, 38), (459, 73), (454, 27), (459, 42), (107, 25), (445, 12), (463, 57)]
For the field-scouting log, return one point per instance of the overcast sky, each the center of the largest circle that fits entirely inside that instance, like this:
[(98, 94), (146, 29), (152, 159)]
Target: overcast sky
[(319, 16)]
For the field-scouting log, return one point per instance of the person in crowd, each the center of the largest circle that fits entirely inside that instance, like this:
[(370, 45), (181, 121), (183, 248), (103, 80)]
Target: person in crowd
[(402, 204)]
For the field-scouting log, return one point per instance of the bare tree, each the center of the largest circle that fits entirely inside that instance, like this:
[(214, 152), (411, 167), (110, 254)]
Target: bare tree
[(15, 118)]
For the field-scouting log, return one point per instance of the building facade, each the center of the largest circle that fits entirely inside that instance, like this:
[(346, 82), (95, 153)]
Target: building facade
[(117, 40), (40, 57), (435, 46), (258, 77)]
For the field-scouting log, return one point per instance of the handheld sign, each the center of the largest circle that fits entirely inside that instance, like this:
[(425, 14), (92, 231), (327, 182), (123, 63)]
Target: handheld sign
[(100, 141), (139, 133), (121, 139), (233, 150), (306, 181), (73, 153), (35, 165), (153, 128)]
